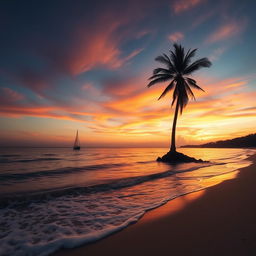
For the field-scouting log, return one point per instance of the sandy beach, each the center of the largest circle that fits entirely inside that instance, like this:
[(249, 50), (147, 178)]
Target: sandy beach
[(217, 221)]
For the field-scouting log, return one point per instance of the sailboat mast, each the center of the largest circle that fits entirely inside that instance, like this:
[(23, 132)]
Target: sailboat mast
[(76, 143), (77, 139)]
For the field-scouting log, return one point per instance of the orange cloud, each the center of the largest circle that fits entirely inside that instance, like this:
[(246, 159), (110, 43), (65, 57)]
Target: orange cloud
[(137, 102), (222, 104), (45, 112), (133, 112), (99, 45), (100, 49)]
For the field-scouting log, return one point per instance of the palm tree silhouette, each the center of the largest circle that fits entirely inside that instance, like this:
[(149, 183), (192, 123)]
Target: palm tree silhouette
[(177, 67)]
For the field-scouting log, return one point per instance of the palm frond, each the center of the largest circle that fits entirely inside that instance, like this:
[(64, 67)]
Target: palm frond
[(171, 66), (201, 63), (183, 101), (161, 79), (166, 57), (167, 89), (179, 51), (179, 60), (192, 83), (175, 95), (174, 61), (183, 95), (157, 76), (190, 79), (162, 59), (163, 70), (187, 60), (189, 91)]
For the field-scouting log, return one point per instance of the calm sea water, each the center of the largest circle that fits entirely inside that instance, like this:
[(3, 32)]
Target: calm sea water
[(56, 197)]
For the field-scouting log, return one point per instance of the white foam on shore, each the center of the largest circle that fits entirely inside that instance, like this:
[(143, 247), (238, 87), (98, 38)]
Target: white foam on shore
[(40, 229), (43, 249), (30, 236)]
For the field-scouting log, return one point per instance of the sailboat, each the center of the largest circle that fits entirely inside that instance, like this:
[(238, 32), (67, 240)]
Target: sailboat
[(77, 142)]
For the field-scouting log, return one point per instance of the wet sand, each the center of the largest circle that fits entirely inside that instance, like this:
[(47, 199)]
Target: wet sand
[(220, 220)]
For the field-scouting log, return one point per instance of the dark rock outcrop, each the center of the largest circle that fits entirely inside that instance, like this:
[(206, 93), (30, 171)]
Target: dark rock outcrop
[(176, 157)]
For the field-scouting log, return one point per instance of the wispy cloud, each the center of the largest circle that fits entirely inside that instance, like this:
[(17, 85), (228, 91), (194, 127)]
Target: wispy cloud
[(101, 49), (122, 61), (202, 18), (143, 33), (216, 54), (226, 31), (184, 5), (11, 95), (177, 36)]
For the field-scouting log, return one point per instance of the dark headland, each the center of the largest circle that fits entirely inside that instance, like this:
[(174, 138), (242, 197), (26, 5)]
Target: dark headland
[(248, 141)]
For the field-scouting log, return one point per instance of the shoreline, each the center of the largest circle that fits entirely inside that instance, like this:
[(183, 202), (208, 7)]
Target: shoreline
[(218, 220)]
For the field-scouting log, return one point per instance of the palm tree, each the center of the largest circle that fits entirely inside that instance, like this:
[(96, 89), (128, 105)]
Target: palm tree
[(177, 67)]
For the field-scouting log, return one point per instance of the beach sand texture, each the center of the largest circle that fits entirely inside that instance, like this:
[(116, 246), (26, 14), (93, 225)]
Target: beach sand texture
[(217, 221)]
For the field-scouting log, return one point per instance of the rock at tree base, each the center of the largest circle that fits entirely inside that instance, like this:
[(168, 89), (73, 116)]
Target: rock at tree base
[(176, 157)]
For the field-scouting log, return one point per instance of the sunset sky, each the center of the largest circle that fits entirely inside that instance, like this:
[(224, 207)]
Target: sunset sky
[(68, 65)]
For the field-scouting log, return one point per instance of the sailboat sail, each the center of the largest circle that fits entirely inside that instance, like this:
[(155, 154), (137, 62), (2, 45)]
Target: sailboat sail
[(77, 142)]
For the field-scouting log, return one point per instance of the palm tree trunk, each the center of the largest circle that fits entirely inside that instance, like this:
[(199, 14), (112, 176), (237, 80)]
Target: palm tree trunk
[(173, 146)]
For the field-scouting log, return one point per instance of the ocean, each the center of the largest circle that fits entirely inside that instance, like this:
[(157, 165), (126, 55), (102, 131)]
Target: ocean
[(56, 197)]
